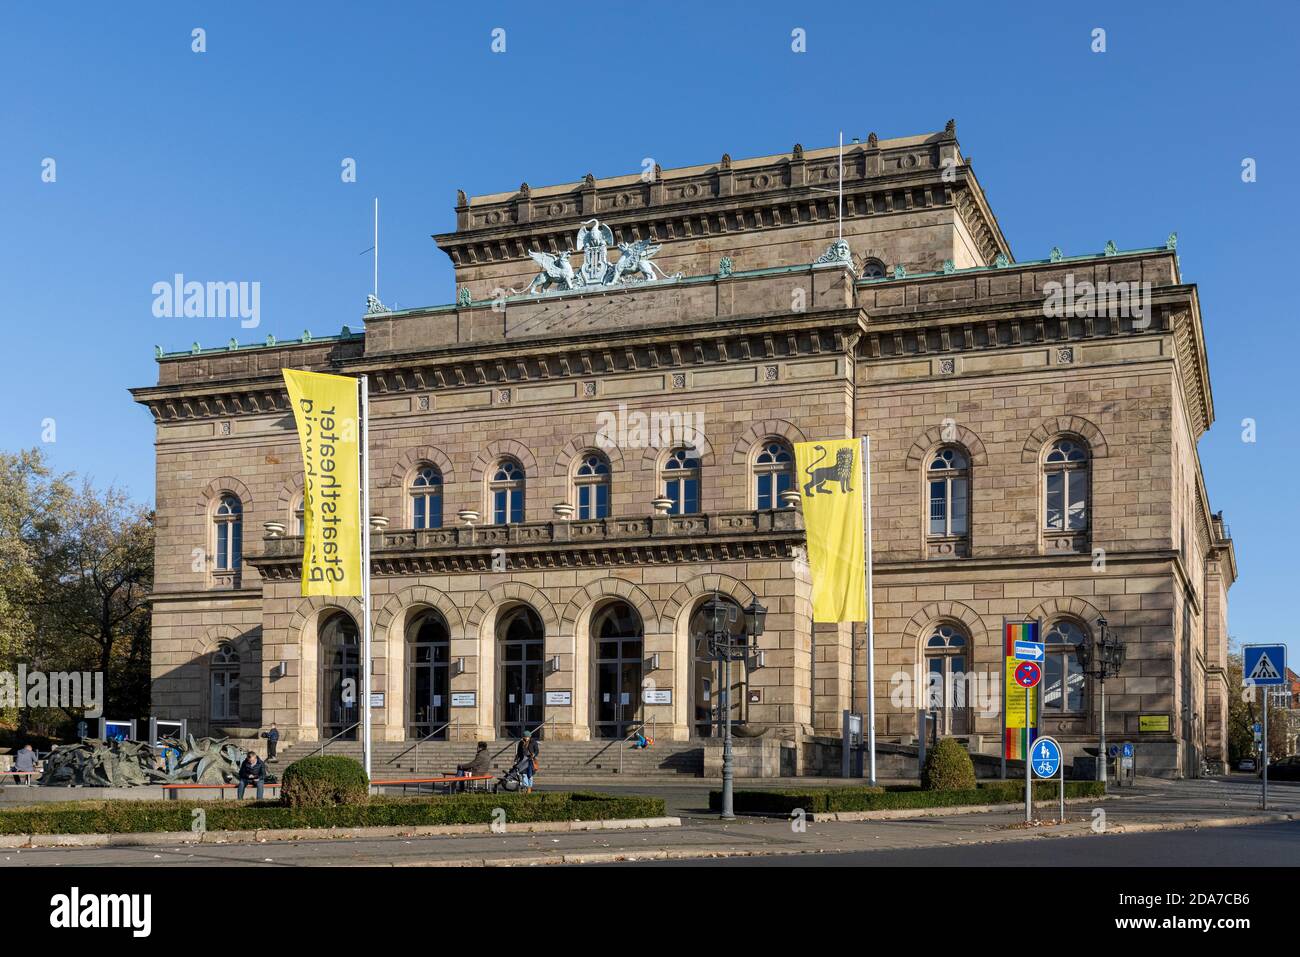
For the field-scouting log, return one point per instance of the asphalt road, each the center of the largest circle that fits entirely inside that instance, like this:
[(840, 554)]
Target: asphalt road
[(1253, 846)]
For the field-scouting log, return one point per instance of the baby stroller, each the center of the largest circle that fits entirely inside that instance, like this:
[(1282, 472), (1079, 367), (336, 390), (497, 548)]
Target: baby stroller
[(513, 779)]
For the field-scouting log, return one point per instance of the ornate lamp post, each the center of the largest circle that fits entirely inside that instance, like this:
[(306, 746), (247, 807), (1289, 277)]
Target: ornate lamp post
[(1101, 660), (726, 646)]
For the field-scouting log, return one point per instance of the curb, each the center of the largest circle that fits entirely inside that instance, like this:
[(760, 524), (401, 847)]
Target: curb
[(898, 814), (157, 838)]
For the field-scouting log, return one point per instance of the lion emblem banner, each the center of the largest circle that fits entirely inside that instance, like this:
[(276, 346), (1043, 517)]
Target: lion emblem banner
[(829, 474)]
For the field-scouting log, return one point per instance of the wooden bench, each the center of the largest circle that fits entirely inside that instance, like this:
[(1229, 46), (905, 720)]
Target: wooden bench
[(472, 782), (174, 789), (24, 774)]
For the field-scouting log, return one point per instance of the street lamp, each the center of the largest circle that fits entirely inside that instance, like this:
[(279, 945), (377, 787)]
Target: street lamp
[(718, 630), (1101, 661)]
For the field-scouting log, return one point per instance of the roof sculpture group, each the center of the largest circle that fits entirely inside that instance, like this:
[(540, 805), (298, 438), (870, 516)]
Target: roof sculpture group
[(96, 763), (593, 241)]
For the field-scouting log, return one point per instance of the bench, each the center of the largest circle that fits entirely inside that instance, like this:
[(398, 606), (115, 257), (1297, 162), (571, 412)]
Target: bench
[(174, 789), (472, 782)]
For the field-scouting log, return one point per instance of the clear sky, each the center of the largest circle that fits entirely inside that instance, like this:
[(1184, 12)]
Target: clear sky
[(225, 165)]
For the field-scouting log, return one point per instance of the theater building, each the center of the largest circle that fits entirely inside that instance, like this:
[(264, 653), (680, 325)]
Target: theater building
[(594, 437)]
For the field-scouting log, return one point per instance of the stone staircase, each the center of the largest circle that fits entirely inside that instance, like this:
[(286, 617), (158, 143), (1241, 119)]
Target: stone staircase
[(558, 759)]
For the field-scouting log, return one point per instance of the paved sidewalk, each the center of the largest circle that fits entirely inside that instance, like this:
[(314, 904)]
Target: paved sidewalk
[(1150, 806)]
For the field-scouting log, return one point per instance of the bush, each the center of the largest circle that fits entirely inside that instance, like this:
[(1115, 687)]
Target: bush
[(125, 817), (948, 767), (830, 800), (324, 780)]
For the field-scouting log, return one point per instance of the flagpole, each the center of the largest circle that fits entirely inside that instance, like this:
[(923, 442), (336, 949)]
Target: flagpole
[(871, 629), (365, 572)]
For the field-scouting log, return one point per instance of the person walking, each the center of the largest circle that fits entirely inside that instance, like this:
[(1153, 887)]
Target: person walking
[(527, 748), (253, 769), (272, 740)]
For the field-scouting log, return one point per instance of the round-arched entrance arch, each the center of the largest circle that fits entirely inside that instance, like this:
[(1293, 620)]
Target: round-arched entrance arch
[(520, 645), (340, 677), (428, 684), (618, 643)]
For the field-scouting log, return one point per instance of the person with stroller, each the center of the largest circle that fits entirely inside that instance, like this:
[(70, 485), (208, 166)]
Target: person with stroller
[(526, 755)]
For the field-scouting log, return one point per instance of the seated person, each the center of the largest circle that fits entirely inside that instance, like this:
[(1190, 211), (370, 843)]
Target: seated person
[(481, 763)]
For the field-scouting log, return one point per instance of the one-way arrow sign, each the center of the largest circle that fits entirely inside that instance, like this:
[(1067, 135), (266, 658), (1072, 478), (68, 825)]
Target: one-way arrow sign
[(1028, 651)]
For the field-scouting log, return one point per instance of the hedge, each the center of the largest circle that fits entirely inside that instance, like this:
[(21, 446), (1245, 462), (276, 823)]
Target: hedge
[(324, 780), (126, 817), (864, 798)]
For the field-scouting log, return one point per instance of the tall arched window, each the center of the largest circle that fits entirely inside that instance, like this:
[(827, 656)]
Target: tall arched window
[(225, 683), (617, 636), (773, 473), (948, 484), (339, 685), (506, 488), (1065, 485), (428, 686), (426, 498), (1063, 678), (946, 661), (297, 519), (228, 523), (709, 699), (521, 641), (591, 486), (681, 481)]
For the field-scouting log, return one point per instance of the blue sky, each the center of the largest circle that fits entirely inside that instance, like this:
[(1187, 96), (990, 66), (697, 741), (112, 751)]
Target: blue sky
[(225, 165)]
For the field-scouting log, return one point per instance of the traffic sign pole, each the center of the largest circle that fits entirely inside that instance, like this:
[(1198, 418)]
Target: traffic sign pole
[(1264, 797), (1029, 757)]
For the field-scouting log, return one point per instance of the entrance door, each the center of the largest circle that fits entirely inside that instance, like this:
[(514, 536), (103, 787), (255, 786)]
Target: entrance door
[(617, 634), (340, 678), (521, 643), (429, 685), (946, 686)]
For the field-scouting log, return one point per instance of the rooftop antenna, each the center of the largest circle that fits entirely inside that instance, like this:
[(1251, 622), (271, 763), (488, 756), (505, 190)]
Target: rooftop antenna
[(375, 249)]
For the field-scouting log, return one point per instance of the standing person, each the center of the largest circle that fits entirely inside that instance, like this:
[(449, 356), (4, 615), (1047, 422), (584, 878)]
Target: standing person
[(272, 739), (253, 768), (25, 760), (527, 748)]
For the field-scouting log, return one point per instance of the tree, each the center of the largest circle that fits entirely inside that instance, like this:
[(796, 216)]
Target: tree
[(1240, 712)]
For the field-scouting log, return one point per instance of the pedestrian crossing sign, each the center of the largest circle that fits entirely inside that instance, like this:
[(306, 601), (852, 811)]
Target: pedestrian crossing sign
[(1263, 665)]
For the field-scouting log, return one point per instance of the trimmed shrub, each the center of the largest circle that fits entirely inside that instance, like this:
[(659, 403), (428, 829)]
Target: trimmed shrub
[(829, 800), (125, 817), (948, 767), (324, 780)]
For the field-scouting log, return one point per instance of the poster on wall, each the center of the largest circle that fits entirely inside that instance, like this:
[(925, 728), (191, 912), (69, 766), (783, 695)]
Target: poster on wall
[(1016, 736)]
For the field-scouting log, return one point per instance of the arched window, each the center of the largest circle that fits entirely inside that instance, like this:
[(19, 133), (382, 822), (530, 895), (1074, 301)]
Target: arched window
[(1065, 485), (946, 658), (948, 480), (681, 481), (428, 686), (297, 519), (873, 268), (228, 523), (225, 683), (1063, 678), (773, 473), (426, 498), (617, 636), (340, 677), (506, 488), (591, 486), (521, 642), (709, 698)]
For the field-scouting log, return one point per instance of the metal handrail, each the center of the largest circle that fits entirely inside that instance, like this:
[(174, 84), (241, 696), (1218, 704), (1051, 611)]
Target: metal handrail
[(454, 722), (354, 725)]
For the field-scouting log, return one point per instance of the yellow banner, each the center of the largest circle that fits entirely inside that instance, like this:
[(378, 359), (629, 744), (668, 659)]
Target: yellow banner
[(1016, 698), (326, 410), (829, 475)]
